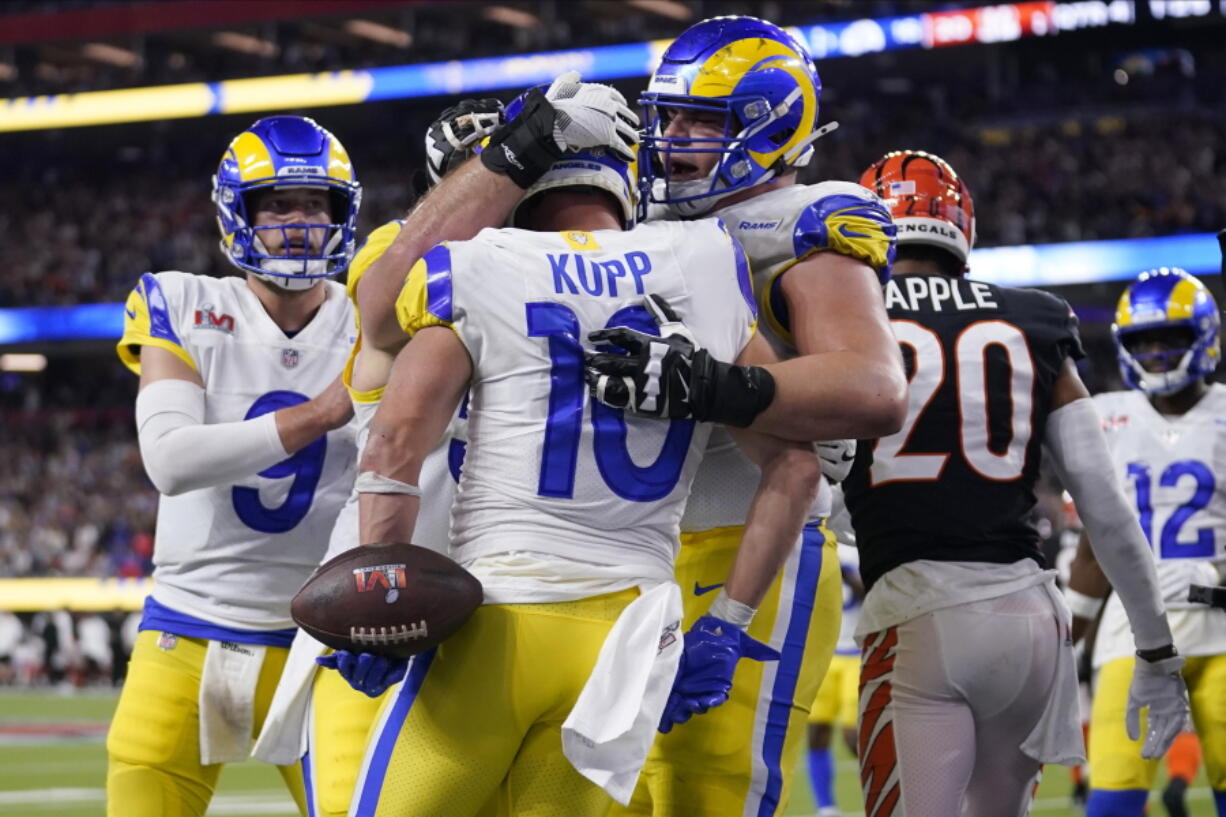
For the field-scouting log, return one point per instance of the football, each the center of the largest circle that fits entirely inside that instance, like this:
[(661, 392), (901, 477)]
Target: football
[(395, 600)]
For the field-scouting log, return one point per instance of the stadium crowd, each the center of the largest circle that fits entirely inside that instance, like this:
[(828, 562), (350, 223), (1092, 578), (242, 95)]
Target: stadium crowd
[(86, 240)]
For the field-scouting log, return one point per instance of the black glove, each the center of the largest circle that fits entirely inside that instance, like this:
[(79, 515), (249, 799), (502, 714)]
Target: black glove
[(669, 376), (455, 135), (524, 148)]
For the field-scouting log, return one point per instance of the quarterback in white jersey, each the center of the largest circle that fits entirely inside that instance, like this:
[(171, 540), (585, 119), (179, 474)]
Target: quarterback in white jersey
[(1167, 440), (242, 422), (731, 112), (567, 511)]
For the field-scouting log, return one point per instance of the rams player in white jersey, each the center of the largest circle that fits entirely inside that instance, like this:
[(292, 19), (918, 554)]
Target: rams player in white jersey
[(1166, 435), (316, 716), (731, 113), (566, 511), (242, 422), (838, 697)]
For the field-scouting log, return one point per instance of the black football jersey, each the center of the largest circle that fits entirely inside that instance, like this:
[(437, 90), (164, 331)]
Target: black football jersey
[(956, 483)]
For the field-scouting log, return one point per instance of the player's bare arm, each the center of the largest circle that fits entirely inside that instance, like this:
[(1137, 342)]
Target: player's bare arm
[(427, 382), (847, 380), (482, 191), (1087, 589), (183, 453)]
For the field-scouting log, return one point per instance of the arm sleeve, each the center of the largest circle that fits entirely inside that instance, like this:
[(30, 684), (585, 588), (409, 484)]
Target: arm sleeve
[(183, 453), (1075, 441)]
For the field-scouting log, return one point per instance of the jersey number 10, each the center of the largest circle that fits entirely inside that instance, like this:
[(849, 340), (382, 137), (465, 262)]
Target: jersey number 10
[(563, 430), (891, 464)]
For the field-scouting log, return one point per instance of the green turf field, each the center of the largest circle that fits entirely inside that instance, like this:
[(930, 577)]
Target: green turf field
[(63, 774)]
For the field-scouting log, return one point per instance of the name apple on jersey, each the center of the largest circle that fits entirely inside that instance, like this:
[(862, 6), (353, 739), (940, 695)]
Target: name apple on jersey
[(910, 292)]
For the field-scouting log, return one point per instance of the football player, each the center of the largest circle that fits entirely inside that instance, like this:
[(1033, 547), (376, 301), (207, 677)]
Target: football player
[(731, 114), (567, 511), (242, 422), (1163, 434), (317, 715), (967, 678), (968, 681), (836, 702)]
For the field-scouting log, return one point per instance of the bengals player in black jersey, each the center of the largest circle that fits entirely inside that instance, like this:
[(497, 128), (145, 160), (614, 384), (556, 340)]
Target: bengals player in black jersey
[(967, 680)]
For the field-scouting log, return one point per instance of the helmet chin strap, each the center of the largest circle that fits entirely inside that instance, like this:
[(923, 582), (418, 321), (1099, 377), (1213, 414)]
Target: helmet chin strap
[(292, 274)]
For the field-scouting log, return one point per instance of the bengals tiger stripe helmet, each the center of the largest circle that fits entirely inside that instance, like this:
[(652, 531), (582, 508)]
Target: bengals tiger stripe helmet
[(930, 204)]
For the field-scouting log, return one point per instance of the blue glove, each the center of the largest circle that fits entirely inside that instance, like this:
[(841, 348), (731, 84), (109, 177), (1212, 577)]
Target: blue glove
[(708, 660), (364, 671)]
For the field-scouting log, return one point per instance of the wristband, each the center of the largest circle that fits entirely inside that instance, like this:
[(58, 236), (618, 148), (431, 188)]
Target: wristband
[(524, 149), (370, 482), (1081, 605), (731, 610), (728, 394), (1158, 653)]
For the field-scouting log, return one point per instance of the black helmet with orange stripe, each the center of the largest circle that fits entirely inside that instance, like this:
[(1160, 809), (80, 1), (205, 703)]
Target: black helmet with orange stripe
[(930, 204)]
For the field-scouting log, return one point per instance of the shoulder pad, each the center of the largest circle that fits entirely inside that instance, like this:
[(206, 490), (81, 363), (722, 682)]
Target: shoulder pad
[(426, 297), (375, 245), (148, 320), (851, 222)]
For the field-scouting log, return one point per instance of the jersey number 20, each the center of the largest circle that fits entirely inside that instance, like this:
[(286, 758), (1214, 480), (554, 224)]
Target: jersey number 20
[(891, 464), (560, 451)]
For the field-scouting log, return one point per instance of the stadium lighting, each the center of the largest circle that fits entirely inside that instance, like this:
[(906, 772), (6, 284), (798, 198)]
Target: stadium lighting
[(246, 44), (379, 33), (111, 55), (511, 17), (665, 8), (22, 363)]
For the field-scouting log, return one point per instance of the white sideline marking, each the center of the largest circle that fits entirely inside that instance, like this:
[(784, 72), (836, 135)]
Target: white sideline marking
[(269, 801)]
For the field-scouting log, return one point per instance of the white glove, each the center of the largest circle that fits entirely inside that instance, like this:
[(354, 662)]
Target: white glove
[(837, 457), (1159, 686), (1176, 575), (589, 115)]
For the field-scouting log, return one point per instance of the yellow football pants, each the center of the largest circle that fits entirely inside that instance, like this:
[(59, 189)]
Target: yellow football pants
[(153, 747), (341, 720), (740, 757), (1116, 762), (838, 699), (475, 728)]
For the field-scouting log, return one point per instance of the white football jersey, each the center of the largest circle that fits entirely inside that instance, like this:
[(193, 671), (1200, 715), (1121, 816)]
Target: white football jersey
[(777, 229), (849, 562), (545, 470), (1173, 468), (235, 555)]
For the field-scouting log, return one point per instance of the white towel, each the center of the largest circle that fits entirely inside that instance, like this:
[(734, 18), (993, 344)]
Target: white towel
[(1057, 738), (227, 700), (283, 740), (613, 724)]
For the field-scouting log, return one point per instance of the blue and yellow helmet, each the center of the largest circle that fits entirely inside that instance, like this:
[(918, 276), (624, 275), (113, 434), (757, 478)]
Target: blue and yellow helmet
[(765, 85), (284, 152), (1167, 298), (593, 167)]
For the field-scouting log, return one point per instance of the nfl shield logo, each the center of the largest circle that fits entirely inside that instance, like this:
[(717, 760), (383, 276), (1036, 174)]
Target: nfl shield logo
[(289, 358)]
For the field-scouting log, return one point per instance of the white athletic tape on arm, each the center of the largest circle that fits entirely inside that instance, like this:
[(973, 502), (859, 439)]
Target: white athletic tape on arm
[(370, 482), (183, 453), (1079, 451), (1081, 605), (731, 610)]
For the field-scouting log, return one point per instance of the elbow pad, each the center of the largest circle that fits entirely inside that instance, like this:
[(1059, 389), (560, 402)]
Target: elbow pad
[(183, 453), (1083, 462)]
